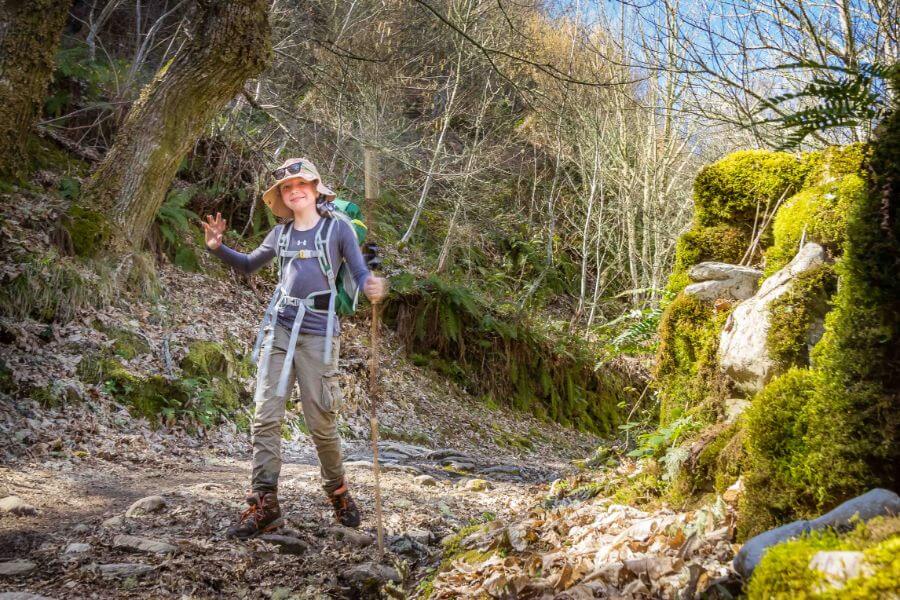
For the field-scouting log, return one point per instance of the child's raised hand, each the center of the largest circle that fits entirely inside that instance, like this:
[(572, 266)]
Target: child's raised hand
[(214, 229)]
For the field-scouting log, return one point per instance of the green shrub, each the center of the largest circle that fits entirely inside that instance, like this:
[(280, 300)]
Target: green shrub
[(784, 570), (446, 327), (731, 190), (173, 224)]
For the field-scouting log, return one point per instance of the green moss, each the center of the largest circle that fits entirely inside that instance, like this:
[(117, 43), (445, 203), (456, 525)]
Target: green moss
[(723, 243), (731, 190), (784, 570), (200, 399), (154, 398), (778, 485), (817, 214), (550, 376), (215, 371), (45, 155), (126, 344), (833, 163), (453, 548), (719, 463), (792, 315), (88, 229), (686, 370)]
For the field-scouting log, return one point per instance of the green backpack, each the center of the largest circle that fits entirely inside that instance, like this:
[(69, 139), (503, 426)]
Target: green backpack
[(347, 290)]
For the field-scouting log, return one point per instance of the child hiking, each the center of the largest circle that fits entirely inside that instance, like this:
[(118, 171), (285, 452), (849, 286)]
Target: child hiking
[(299, 338)]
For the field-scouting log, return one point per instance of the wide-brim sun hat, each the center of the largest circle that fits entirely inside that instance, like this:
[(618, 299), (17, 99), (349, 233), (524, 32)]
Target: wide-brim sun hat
[(306, 171)]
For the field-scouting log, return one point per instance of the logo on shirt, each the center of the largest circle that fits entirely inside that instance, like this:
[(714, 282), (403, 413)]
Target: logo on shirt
[(301, 242)]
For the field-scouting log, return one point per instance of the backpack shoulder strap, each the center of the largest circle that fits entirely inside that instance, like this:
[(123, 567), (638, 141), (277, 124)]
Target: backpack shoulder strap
[(284, 238), (323, 239)]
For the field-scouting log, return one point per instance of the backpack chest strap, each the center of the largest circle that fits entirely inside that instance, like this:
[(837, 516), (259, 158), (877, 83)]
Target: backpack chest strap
[(301, 254)]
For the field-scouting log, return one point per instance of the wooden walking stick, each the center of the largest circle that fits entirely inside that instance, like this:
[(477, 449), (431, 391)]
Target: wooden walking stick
[(373, 419)]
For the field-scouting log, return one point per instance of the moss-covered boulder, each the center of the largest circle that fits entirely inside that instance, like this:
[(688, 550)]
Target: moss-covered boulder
[(154, 397), (816, 214), (731, 196), (796, 319), (721, 243), (212, 388), (743, 345), (216, 372), (743, 185), (777, 484), (808, 568), (834, 163)]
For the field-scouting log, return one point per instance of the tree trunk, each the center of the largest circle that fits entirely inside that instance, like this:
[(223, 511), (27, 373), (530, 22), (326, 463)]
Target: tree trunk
[(231, 42), (29, 38)]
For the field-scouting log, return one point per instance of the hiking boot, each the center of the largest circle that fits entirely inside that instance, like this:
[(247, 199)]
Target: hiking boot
[(345, 510), (262, 516)]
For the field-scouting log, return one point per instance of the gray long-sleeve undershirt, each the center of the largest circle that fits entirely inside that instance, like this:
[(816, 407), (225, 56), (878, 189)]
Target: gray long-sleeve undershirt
[(305, 275)]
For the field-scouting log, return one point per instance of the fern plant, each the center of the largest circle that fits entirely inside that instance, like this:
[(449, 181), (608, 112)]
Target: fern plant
[(172, 222), (843, 97), (174, 217), (637, 335)]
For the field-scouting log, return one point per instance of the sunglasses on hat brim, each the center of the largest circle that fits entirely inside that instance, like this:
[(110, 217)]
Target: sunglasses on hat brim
[(291, 169)]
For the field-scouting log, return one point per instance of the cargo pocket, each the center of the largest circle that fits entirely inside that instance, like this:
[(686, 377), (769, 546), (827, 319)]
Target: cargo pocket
[(332, 396)]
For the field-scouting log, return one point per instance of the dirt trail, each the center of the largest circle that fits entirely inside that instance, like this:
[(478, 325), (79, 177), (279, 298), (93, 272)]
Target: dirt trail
[(75, 503)]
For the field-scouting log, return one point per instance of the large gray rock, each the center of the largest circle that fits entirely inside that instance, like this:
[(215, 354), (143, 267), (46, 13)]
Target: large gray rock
[(874, 503), (16, 506), (135, 543), (147, 505), (22, 596), (124, 570), (12, 568), (743, 355), (714, 280)]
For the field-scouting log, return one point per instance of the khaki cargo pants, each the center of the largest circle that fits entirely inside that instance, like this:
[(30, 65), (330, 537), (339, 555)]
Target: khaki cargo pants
[(320, 397)]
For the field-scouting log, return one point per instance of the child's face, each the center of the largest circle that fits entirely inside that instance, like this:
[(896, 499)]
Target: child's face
[(298, 194)]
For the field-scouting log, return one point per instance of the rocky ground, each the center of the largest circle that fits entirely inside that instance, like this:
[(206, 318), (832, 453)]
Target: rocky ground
[(95, 503)]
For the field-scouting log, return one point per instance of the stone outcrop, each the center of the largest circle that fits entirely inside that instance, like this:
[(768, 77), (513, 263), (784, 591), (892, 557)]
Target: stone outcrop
[(743, 355), (717, 280)]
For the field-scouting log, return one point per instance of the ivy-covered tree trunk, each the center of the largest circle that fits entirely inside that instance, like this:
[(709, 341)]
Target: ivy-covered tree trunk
[(29, 38), (230, 42)]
